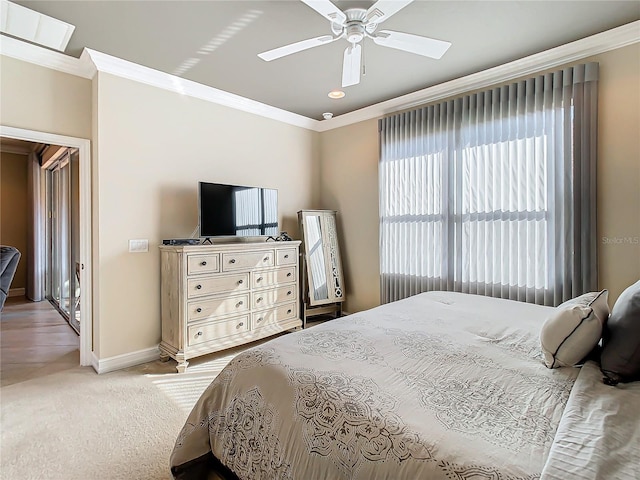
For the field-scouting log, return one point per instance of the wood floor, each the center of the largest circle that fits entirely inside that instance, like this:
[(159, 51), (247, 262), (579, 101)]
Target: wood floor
[(34, 341)]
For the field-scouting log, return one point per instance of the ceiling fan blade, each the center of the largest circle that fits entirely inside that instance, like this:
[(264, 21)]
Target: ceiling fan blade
[(428, 47), (327, 9), (296, 47), (351, 65), (383, 9)]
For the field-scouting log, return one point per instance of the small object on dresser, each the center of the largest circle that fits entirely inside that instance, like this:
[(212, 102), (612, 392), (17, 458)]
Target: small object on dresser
[(283, 237), (181, 241)]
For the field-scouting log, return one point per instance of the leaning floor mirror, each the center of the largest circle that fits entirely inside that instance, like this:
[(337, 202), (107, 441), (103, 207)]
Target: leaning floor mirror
[(322, 283)]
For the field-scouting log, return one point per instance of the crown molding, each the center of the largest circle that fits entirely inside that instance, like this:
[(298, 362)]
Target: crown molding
[(31, 53), (139, 73), (89, 66), (92, 61), (602, 42)]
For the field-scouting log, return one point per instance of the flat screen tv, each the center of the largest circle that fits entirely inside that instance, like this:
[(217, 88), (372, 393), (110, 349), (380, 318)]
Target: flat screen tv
[(237, 211)]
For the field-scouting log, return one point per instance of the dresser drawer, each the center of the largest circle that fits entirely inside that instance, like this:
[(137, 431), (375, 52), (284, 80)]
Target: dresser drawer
[(271, 297), (203, 264), (218, 306), (286, 256), (198, 287), (211, 331), (273, 277), (274, 315), (247, 260)]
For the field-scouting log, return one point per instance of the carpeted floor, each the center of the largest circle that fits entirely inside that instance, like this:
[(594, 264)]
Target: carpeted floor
[(76, 424), (60, 421)]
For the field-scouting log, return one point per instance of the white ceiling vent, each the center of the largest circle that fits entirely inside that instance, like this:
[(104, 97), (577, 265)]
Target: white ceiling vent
[(26, 24)]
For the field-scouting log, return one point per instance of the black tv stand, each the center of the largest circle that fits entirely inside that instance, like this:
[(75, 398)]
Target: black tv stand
[(207, 241)]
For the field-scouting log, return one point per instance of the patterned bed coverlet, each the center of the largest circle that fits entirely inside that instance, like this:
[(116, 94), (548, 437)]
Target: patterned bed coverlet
[(599, 433), (440, 385)]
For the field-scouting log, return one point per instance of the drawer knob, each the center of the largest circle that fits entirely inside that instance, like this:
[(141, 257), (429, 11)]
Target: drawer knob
[(239, 304), (289, 274), (288, 311), (233, 260), (259, 279), (199, 334), (240, 324), (203, 263), (240, 282), (265, 259), (289, 292), (286, 256), (198, 287), (198, 309), (260, 319), (259, 299)]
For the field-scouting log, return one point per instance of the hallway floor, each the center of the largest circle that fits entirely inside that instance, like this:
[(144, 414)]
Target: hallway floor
[(34, 341)]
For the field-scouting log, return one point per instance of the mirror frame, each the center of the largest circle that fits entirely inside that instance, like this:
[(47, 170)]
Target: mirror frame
[(331, 254)]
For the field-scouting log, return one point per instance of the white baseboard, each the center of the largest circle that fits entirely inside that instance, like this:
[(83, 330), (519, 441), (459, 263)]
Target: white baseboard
[(111, 364), (16, 292)]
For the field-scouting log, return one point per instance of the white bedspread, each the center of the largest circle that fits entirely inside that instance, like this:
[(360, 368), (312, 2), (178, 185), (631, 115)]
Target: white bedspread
[(437, 386), (599, 434)]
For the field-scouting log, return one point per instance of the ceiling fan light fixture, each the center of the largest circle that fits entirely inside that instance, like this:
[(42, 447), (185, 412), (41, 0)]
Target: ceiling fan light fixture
[(355, 33), (336, 94)]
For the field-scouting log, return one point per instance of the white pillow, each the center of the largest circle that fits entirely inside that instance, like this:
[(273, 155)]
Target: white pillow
[(574, 329), (599, 301)]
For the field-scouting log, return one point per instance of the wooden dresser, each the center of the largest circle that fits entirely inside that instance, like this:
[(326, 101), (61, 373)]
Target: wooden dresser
[(218, 296)]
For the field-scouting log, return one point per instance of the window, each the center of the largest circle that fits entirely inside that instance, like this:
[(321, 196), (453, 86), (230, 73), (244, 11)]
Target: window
[(493, 193)]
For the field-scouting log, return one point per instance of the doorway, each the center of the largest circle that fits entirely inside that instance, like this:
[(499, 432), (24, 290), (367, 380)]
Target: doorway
[(65, 280)]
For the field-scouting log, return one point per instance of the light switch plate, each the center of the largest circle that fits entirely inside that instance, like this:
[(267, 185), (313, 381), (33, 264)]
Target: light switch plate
[(139, 245)]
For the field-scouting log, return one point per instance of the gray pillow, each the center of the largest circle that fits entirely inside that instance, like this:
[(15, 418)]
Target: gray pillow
[(620, 357)]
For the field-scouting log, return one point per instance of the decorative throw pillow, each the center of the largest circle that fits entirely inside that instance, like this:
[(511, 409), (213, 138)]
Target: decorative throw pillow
[(620, 357), (599, 301), (574, 329)]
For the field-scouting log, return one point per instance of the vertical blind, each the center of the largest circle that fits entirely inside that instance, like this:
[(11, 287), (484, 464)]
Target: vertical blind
[(493, 193)]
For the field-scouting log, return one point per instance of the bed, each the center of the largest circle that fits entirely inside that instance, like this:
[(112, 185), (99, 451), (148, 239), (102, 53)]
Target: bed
[(440, 385)]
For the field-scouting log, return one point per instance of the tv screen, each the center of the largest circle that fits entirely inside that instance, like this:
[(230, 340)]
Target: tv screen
[(236, 210)]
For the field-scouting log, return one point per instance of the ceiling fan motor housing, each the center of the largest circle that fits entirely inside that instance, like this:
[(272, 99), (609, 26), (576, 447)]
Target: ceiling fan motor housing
[(354, 27)]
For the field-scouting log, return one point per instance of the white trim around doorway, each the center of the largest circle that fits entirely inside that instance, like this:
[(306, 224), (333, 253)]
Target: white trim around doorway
[(84, 151)]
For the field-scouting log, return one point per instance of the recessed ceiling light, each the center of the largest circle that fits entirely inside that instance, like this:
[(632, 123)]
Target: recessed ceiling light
[(336, 94), (327, 115)]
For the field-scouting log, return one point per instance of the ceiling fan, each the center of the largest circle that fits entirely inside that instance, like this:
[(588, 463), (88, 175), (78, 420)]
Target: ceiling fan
[(355, 24)]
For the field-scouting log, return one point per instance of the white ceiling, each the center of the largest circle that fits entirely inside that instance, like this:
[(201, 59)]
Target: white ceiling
[(170, 35)]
